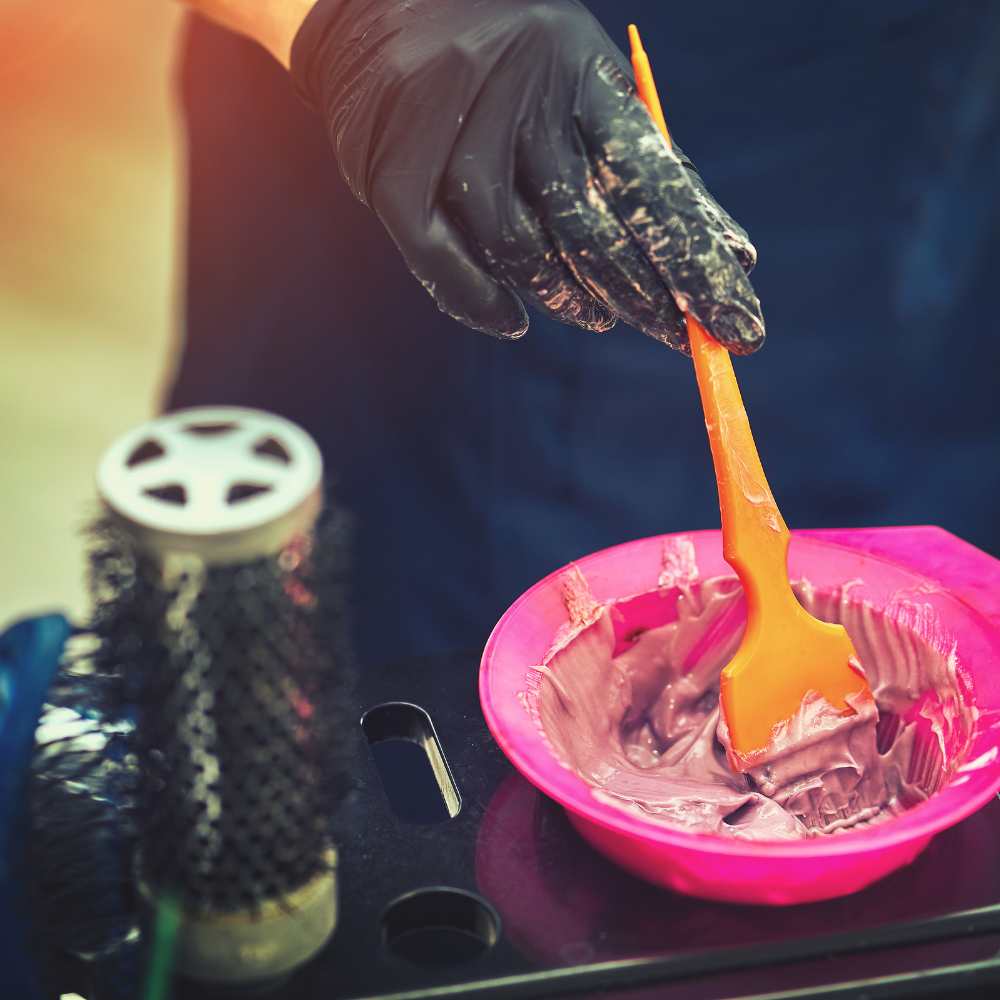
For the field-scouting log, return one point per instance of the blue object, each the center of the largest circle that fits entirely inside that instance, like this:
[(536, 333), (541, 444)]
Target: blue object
[(859, 144), (30, 652)]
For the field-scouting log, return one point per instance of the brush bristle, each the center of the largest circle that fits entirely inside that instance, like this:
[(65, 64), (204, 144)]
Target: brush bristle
[(247, 671), (237, 675)]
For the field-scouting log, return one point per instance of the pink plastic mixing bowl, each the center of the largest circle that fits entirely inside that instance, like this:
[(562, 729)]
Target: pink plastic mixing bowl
[(958, 589)]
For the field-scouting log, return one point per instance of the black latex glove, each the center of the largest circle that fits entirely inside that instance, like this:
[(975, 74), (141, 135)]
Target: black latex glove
[(503, 147)]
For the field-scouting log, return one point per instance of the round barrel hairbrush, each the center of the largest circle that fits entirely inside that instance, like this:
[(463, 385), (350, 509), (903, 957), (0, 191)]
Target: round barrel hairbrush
[(210, 594)]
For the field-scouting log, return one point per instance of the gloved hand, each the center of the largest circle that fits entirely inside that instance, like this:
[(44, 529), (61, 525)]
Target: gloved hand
[(503, 147)]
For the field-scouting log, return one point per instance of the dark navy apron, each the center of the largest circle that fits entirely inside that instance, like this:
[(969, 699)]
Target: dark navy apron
[(860, 145)]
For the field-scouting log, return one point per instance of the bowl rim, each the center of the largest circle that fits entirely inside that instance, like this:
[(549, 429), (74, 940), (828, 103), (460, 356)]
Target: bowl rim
[(970, 789)]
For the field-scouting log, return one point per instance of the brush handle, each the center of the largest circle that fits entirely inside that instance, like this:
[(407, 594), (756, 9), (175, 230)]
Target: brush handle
[(754, 535)]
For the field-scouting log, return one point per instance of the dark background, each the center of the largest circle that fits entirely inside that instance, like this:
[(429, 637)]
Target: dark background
[(860, 146)]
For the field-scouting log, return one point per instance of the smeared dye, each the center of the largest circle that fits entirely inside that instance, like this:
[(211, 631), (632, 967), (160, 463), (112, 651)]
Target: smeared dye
[(636, 715)]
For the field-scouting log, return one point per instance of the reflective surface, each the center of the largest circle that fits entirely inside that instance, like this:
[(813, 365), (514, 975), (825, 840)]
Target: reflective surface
[(561, 905), (572, 924)]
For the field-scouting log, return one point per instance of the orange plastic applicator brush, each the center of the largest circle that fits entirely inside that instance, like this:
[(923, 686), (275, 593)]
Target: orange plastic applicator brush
[(785, 653)]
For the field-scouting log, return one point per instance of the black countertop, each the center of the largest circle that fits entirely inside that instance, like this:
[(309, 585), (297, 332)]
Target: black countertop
[(572, 924)]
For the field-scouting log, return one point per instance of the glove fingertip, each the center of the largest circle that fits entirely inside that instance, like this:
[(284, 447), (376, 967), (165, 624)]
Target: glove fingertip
[(738, 329), (746, 254), (511, 334), (597, 318), (503, 317), (603, 325)]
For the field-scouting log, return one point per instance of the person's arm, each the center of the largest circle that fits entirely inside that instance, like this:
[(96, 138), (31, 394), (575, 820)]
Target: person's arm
[(273, 23), (503, 147)]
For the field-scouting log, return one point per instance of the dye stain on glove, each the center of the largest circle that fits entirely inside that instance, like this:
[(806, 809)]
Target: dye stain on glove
[(504, 149)]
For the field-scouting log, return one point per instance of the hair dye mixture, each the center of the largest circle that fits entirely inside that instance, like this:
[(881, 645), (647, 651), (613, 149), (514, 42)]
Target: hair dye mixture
[(636, 715)]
